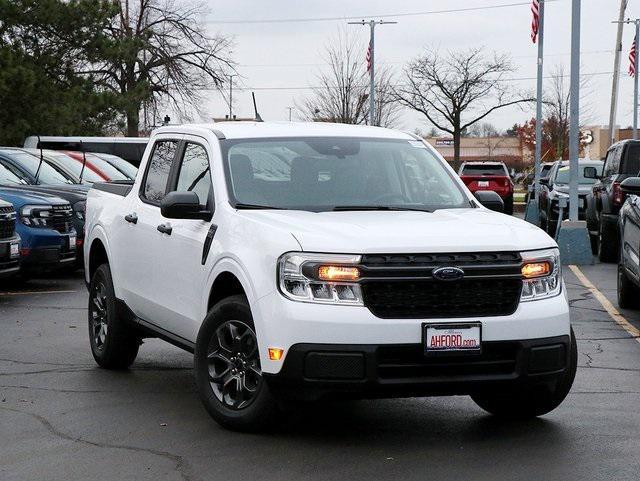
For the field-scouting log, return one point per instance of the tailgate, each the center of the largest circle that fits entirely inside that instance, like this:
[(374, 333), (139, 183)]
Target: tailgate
[(486, 182)]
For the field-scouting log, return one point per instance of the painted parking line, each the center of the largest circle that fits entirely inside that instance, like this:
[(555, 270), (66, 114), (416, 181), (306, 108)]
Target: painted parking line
[(606, 304), (30, 293)]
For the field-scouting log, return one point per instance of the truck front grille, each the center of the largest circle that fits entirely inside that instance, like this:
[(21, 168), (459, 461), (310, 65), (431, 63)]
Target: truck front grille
[(403, 287), (62, 219), (7, 222)]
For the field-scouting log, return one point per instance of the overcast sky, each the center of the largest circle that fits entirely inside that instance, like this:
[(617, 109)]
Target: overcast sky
[(281, 60)]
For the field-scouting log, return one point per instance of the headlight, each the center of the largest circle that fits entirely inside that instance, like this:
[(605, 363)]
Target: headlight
[(36, 215), (79, 209), (320, 278), (541, 274)]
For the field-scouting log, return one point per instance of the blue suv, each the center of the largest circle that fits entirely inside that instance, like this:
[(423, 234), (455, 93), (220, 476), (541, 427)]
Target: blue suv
[(45, 225)]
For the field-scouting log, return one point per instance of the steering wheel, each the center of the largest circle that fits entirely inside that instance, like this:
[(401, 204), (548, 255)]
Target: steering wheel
[(391, 196)]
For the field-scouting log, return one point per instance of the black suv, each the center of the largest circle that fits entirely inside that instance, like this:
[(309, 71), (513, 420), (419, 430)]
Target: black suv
[(606, 198)]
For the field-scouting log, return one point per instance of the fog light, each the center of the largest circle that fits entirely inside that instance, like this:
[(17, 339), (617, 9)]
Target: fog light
[(338, 273), (536, 269), (275, 353)]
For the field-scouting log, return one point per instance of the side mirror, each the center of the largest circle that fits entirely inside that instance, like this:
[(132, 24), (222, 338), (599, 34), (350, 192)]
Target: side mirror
[(631, 186), (591, 173), (490, 200), (183, 205)]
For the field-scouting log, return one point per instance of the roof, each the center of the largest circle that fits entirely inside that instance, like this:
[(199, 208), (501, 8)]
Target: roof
[(240, 130)]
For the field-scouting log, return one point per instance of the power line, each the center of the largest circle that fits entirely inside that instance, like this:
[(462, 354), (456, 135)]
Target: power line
[(386, 15)]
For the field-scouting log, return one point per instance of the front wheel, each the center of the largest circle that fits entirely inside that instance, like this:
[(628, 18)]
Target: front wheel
[(529, 403), (607, 244), (628, 292), (227, 369)]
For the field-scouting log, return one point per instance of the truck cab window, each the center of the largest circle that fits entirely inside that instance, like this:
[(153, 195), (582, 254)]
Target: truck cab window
[(194, 172), (155, 183)]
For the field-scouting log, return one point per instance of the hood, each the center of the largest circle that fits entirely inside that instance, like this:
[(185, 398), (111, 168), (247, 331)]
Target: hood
[(564, 188), (362, 232), (72, 193), (18, 198)]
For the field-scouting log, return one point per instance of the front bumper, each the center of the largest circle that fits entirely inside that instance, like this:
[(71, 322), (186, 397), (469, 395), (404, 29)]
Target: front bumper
[(314, 371), (44, 249), (282, 323)]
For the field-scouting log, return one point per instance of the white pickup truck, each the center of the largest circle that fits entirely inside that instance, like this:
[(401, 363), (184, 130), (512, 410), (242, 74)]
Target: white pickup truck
[(301, 261)]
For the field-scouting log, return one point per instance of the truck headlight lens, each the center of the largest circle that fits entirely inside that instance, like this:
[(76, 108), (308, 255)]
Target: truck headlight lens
[(541, 274), (320, 278), (36, 215)]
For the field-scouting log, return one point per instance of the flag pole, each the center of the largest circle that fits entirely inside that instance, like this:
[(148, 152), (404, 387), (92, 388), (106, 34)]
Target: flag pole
[(538, 157), (635, 82)]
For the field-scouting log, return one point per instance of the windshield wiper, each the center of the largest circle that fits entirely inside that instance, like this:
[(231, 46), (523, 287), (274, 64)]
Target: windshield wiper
[(343, 208), (241, 205)]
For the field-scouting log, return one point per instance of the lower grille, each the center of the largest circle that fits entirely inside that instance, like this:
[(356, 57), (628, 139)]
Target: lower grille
[(409, 362), (431, 299), (7, 222)]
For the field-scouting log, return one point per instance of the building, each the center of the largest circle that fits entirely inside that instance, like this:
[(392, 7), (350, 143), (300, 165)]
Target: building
[(503, 149)]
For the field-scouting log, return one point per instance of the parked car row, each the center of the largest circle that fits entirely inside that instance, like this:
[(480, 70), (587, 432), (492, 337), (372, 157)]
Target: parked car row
[(42, 203)]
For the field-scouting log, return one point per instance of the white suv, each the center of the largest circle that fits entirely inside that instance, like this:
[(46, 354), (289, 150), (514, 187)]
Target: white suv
[(298, 261)]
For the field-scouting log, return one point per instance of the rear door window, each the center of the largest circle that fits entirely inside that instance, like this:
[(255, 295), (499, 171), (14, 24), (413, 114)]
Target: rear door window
[(631, 165), (157, 176)]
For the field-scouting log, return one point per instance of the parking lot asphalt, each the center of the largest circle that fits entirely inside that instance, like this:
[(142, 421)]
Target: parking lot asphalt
[(62, 418)]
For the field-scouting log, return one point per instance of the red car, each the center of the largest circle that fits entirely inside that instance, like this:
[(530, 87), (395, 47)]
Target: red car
[(101, 167), (489, 176)]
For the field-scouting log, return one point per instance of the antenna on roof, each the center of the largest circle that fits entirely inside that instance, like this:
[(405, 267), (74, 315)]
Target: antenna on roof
[(255, 108), (84, 162), (39, 163)]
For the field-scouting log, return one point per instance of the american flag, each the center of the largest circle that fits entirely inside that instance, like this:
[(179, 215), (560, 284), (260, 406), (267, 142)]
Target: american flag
[(535, 21), (369, 57), (632, 59)]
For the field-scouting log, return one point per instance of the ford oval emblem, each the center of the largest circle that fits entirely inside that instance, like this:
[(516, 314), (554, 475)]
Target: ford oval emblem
[(448, 273)]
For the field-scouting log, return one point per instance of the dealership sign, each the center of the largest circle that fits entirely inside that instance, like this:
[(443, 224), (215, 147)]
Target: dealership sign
[(444, 142)]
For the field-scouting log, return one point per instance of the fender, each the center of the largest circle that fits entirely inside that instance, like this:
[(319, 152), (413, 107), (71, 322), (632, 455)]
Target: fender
[(98, 233)]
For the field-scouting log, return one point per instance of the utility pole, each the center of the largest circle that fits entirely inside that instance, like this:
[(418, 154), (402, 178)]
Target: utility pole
[(574, 109), (290, 109), (372, 82), (616, 75), (539, 100), (231, 96), (636, 22)]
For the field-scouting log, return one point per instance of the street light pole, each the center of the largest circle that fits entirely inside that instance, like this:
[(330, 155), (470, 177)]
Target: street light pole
[(372, 82), (231, 96), (616, 75), (574, 108)]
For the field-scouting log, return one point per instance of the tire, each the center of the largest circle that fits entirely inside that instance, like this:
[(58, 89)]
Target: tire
[(552, 227), (114, 344), (607, 244), (227, 369), (593, 239), (532, 402), (508, 205), (628, 292)]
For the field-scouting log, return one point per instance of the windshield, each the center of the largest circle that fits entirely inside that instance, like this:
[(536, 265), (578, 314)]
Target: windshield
[(74, 166), (318, 174), (106, 168), (28, 162), (562, 175), (8, 176), (483, 169), (122, 165)]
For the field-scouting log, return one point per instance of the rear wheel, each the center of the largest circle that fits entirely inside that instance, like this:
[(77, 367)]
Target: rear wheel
[(227, 369), (607, 245), (532, 402), (114, 344), (628, 292)]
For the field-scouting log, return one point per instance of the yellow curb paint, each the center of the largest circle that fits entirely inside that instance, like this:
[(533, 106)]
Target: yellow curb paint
[(25, 293), (604, 302)]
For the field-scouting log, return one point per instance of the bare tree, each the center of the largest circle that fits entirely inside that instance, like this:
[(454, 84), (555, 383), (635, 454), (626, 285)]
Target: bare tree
[(156, 50), (456, 91), (343, 92)]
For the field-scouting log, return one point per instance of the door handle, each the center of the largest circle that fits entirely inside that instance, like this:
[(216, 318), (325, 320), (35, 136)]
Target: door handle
[(131, 218), (165, 229)]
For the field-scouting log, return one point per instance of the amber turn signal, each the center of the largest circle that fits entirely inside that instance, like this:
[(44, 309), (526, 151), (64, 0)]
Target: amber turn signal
[(275, 353), (338, 273), (536, 269)]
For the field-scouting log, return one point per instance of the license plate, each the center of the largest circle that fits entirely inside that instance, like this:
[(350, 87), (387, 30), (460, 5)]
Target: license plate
[(452, 338), (72, 242), (14, 250), (483, 183)]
